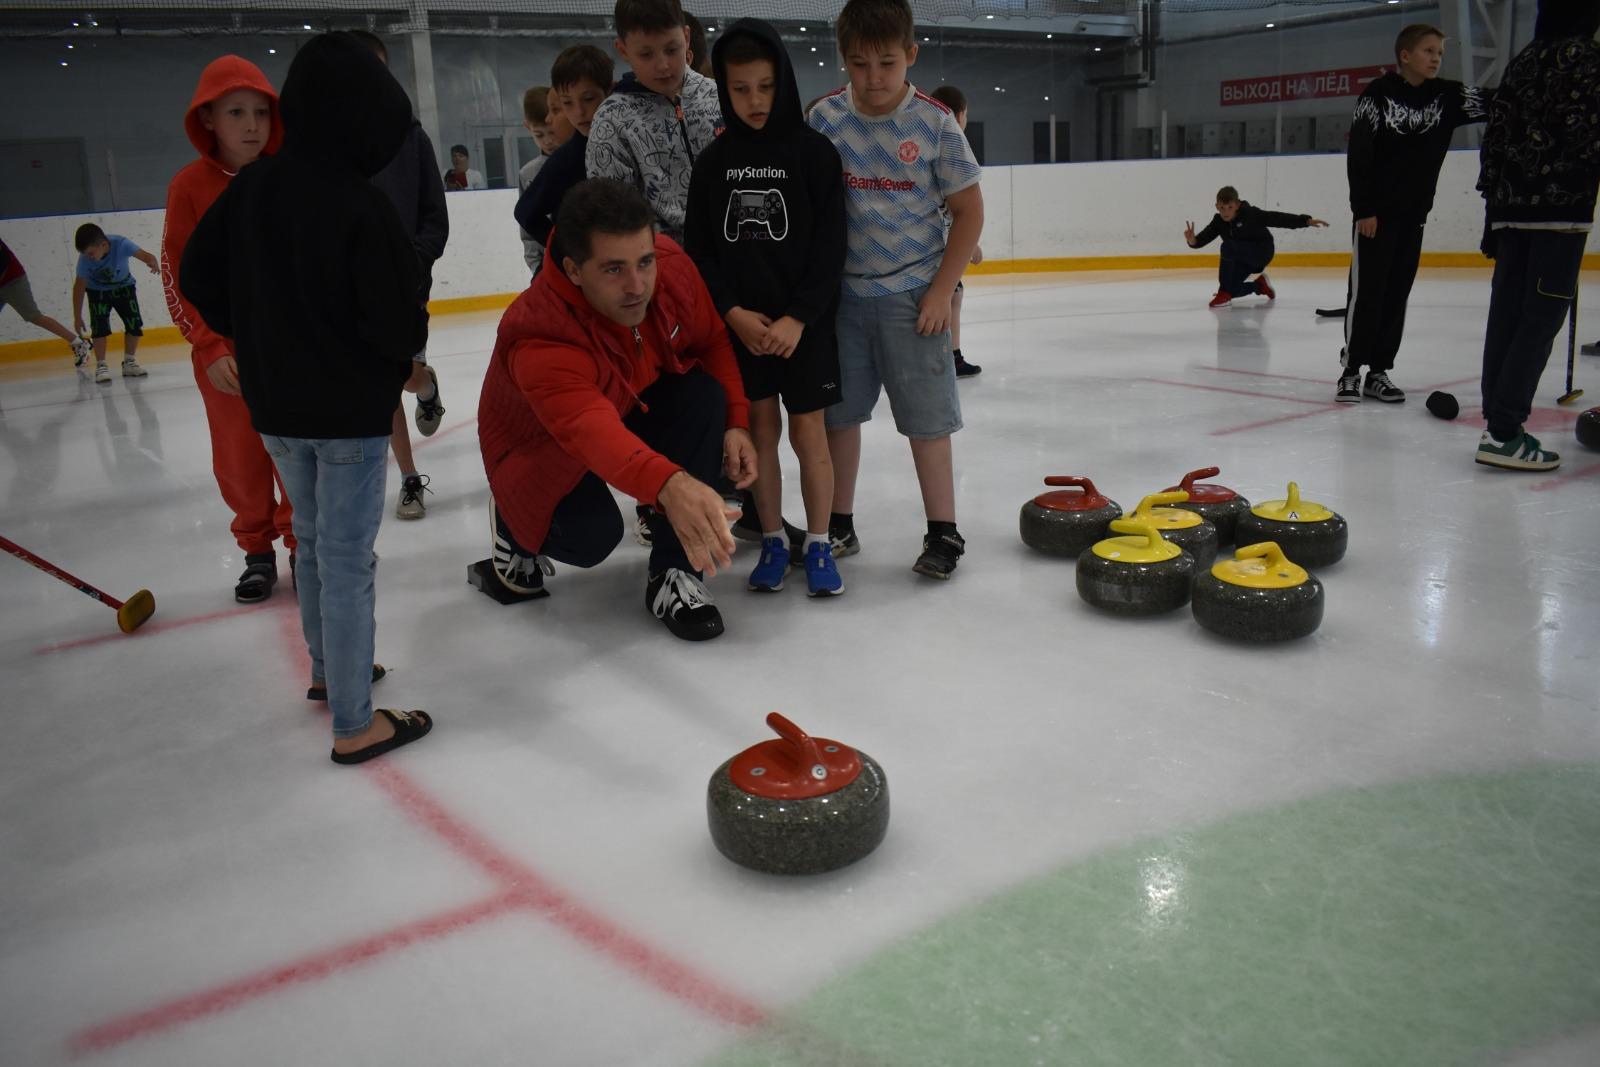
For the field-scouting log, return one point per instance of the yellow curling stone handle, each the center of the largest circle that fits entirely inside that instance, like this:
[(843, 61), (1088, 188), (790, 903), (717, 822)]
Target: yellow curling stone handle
[(1293, 509), (1143, 542), (1260, 566), (1149, 510)]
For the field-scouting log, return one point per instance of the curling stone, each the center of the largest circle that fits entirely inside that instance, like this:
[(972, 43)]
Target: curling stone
[(1310, 534), (1258, 596), (1186, 529), (1588, 428), (1067, 521), (1140, 573), (1217, 504), (797, 804)]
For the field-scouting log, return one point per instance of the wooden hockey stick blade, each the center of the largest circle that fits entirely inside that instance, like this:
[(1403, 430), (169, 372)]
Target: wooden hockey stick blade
[(135, 611)]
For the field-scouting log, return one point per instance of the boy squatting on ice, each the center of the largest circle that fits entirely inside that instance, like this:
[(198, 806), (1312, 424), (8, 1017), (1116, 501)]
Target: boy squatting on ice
[(1247, 245)]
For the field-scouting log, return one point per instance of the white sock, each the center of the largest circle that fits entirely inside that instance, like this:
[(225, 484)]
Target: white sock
[(815, 539), (767, 535)]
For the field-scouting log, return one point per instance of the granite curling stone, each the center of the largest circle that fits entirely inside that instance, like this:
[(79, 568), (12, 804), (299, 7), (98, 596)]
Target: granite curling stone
[(1258, 596), (1588, 428), (1140, 573), (797, 804), (1310, 534), (1217, 504), (1186, 529), (1067, 521)]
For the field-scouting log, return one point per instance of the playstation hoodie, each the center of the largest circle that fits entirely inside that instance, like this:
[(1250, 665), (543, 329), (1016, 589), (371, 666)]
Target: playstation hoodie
[(304, 262), (766, 215)]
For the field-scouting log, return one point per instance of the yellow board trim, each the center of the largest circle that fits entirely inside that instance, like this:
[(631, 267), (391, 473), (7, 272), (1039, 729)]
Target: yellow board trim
[(54, 348)]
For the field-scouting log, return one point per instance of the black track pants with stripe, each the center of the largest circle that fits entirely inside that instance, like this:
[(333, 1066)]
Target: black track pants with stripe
[(1382, 269)]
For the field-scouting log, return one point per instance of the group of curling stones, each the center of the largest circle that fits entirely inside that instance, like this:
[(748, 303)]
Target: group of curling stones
[(1164, 554)]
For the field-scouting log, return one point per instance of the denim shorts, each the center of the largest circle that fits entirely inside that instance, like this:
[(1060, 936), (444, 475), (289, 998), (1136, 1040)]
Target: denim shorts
[(881, 351)]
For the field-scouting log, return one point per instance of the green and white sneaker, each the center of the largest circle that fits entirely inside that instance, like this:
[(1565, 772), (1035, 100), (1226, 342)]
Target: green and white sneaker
[(1521, 453)]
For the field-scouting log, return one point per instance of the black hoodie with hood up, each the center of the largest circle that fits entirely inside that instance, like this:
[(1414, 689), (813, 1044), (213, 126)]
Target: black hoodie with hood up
[(766, 215), (304, 263)]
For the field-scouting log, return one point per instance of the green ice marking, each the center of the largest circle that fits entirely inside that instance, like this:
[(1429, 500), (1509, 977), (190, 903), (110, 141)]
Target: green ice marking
[(1437, 922)]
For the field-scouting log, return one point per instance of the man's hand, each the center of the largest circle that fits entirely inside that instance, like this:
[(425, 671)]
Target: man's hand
[(1367, 227), (739, 457), (1188, 234), (1316, 223), (224, 375), (751, 328), (933, 316), (700, 518), (783, 336)]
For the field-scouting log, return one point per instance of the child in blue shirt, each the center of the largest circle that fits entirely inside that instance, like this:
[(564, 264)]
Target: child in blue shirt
[(103, 274)]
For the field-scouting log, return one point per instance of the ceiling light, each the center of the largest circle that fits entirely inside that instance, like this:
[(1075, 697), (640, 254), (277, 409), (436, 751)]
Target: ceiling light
[(69, 46), (1049, 36), (988, 16), (272, 51), (820, 63), (1097, 48), (802, 29), (1047, 99), (1271, 24), (307, 26), (63, 62)]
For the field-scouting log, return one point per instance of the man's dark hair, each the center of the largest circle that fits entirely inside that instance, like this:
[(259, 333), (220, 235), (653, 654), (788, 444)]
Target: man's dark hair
[(579, 63), (599, 205), (460, 148), (372, 42), (1414, 35), (746, 48), (698, 45), (1227, 195), (88, 234), (875, 22), (951, 97), (647, 16)]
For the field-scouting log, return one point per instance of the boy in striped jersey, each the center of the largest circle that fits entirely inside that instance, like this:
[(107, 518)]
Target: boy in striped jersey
[(906, 165)]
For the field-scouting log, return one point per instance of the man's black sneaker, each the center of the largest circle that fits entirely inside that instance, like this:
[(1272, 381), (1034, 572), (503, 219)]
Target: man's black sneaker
[(1349, 391), (939, 555), (965, 369), (260, 575), (682, 601), (518, 569), (1379, 387)]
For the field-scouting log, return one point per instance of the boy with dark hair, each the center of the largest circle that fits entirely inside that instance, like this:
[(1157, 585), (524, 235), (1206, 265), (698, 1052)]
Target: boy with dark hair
[(1401, 131), (1540, 167), (906, 166), (662, 115), (1247, 245), (956, 101), (699, 51), (15, 292), (418, 198), (306, 264), (549, 131), (765, 225), (103, 273), (232, 121), (614, 369), (580, 80)]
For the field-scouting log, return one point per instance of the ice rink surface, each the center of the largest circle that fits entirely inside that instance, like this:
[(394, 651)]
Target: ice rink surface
[(1113, 841)]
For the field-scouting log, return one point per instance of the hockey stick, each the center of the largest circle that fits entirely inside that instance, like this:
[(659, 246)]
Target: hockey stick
[(1572, 350), (131, 614), (1331, 313)]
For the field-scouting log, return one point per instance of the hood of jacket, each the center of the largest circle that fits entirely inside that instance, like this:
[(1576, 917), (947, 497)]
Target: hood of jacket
[(342, 106), (221, 77), (787, 114), (1566, 18)]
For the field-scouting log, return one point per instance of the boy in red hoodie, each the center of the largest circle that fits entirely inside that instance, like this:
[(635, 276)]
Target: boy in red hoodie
[(232, 120)]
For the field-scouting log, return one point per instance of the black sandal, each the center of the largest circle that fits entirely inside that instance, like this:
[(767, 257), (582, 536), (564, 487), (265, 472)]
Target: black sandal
[(409, 726), (260, 575), (320, 692)]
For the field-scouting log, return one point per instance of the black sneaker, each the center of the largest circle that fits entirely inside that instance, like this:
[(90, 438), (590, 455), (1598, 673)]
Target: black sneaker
[(965, 369), (641, 525), (412, 486), (845, 542), (1379, 387), (518, 569), (940, 555), (429, 412), (260, 575), (682, 601), (1349, 388)]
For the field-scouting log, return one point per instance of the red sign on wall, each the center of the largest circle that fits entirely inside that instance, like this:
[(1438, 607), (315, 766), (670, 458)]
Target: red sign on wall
[(1313, 85)]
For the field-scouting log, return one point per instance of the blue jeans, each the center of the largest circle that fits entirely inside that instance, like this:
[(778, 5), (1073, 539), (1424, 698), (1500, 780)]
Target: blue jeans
[(336, 487)]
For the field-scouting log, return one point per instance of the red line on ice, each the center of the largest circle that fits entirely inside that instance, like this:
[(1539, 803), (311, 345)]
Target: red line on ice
[(148, 630), (1239, 392), (1562, 479), (1264, 374)]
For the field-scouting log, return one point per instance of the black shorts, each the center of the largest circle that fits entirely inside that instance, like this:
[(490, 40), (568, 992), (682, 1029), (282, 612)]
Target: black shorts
[(102, 302), (806, 381)]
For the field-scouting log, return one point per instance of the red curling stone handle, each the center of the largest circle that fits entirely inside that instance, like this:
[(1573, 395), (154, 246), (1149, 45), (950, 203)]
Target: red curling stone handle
[(1187, 485), (802, 748), (1072, 481)]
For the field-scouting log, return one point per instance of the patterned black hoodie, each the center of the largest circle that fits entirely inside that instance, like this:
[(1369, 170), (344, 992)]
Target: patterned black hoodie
[(1398, 140), (1541, 152)]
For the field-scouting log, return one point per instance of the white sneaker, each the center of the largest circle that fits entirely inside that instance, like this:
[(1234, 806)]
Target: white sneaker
[(102, 374), (81, 351), (131, 369), (1521, 453), (411, 489)]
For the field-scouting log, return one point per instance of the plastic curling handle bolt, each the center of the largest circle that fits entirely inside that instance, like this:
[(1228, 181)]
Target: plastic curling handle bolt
[(1136, 528), (1155, 500), (802, 747), (1204, 472), (1072, 480)]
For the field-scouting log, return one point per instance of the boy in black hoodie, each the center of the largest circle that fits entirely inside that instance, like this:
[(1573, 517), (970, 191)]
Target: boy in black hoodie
[(1540, 168), (1247, 245), (324, 340), (765, 223), (1401, 131)]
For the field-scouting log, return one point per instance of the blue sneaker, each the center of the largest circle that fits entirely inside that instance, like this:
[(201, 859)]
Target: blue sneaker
[(768, 575), (822, 575)]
